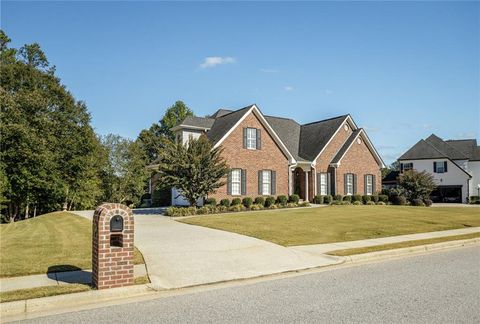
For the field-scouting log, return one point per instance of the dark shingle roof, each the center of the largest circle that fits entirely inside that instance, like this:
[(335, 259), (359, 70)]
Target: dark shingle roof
[(197, 122), (346, 145), (392, 176), (444, 147), (422, 150), (468, 147), (223, 124), (221, 112), (314, 136), (289, 132)]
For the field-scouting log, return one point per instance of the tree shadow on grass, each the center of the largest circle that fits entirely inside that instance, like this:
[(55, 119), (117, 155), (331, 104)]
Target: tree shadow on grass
[(69, 274)]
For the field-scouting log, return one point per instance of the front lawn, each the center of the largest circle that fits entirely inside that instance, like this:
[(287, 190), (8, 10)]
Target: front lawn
[(340, 223), (57, 241)]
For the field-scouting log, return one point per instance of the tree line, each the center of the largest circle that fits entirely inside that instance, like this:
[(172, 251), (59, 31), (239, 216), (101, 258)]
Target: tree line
[(50, 156)]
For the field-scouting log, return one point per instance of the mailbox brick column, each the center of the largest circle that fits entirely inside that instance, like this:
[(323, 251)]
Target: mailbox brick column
[(112, 252)]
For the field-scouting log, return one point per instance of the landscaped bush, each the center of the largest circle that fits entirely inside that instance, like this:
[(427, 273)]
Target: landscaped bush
[(221, 209), (180, 211), (204, 210), (269, 201), (357, 198), (304, 204), (371, 203), (357, 202), (293, 199), (260, 201), (273, 206), (327, 199), (347, 198), (366, 198), (210, 202), (381, 203), (345, 202), (383, 198), (282, 200), (399, 200), (318, 199), (236, 201), (337, 202), (417, 202), (375, 198), (428, 202), (256, 207), (225, 202), (236, 208), (338, 197), (473, 199), (247, 202), (291, 205)]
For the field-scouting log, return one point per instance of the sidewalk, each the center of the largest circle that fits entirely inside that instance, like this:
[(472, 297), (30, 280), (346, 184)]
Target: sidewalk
[(56, 278), (329, 247)]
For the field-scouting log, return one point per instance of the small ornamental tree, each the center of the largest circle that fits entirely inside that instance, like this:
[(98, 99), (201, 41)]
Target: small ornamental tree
[(417, 185), (196, 169)]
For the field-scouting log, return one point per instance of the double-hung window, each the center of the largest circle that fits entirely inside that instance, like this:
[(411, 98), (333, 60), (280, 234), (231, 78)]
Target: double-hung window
[(369, 184), (440, 167), (266, 182), (349, 184), (406, 166), (236, 181), (323, 183), (251, 138)]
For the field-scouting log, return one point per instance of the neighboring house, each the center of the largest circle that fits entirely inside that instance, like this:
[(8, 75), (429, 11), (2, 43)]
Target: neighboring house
[(391, 180), (455, 165), (271, 156)]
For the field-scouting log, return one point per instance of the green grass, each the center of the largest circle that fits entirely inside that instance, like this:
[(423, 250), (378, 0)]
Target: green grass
[(339, 223), (392, 246), (52, 242), (39, 292)]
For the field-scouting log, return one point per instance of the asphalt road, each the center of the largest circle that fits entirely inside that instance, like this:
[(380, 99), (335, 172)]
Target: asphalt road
[(442, 287)]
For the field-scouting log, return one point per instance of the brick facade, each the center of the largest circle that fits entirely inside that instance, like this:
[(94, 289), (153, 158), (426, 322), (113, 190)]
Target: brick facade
[(269, 157), (112, 252)]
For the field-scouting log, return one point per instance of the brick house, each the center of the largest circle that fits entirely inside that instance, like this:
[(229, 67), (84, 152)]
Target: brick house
[(271, 156)]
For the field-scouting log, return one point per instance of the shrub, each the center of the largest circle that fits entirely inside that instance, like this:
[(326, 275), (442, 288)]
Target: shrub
[(357, 202), (345, 202), (221, 209), (383, 198), (282, 200), (225, 202), (236, 201), (417, 185), (336, 202), (180, 211), (428, 202), (399, 200), (338, 197), (203, 210), (375, 198), (293, 199), (381, 203), (347, 198), (473, 199), (327, 199), (318, 199), (273, 206), (357, 198), (236, 208), (304, 204), (417, 202), (366, 199), (269, 201), (256, 207), (370, 203), (291, 205), (210, 201), (260, 201), (247, 202)]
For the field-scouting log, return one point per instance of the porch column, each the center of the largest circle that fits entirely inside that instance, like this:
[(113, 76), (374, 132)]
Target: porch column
[(306, 186), (290, 181)]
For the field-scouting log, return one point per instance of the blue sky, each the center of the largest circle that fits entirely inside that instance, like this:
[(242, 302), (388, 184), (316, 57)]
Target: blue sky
[(402, 70)]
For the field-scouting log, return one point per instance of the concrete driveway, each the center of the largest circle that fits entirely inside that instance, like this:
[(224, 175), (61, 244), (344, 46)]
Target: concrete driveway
[(180, 255)]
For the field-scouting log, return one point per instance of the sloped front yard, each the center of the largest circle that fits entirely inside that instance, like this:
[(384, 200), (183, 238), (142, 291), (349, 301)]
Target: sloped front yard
[(340, 223), (52, 242)]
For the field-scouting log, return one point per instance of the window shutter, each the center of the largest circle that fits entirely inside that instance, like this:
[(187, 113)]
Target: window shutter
[(329, 189), (229, 183), (354, 184), (374, 182), (345, 183), (365, 184), (260, 182), (259, 139), (445, 166), (435, 167), (319, 183), (401, 167), (244, 182), (244, 137), (273, 182)]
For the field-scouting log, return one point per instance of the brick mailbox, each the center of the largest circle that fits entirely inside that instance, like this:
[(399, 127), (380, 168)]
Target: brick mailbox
[(112, 246)]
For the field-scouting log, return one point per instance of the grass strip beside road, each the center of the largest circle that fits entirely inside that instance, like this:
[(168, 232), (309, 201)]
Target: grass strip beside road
[(38, 292), (392, 246)]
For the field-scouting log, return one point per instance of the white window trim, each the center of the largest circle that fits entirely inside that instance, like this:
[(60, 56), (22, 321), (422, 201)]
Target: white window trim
[(239, 182), (409, 164), (440, 164), (323, 183), (251, 140), (369, 186), (268, 187), (349, 184)]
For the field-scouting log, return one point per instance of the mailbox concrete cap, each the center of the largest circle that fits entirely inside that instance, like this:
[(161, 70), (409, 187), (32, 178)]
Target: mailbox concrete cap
[(107, 210)]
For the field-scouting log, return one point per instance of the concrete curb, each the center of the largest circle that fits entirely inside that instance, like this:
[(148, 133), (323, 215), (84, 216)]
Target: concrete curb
[(46, 304), (395, 253)]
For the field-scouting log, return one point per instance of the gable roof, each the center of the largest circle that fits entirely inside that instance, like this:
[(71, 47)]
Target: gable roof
[(224, 123), (444, 147), (314, 136), (422, 150), (346, 145), (468, 147), (289, 132), (195, 123), (221, 112)]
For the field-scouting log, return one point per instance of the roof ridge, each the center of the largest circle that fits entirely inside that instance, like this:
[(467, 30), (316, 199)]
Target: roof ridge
[(436, 149), (451, 147), (324, 120), (286, 118), (234, 111)]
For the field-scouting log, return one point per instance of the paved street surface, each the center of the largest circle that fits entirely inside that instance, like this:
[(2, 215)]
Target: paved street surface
[(442, 287)]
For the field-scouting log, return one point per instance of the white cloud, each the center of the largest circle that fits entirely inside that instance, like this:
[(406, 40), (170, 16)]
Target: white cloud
[(269, 70), (288, 88), (213, 61)]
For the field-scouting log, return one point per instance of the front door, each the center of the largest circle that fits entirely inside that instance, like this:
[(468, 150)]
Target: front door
[(299, 182)]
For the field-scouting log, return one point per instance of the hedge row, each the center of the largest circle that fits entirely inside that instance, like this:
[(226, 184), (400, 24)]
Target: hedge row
[(247, 202), (354, 199)]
